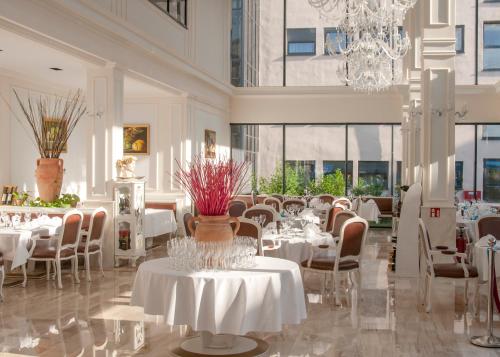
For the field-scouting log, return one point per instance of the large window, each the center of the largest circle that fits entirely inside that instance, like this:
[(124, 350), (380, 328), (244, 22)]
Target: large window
[(374, 173), (330, 167), (334, 40), (299, 158), (176, 9), (488, 162), (301, 42), (459, 38), (491, 180), (491, 46)]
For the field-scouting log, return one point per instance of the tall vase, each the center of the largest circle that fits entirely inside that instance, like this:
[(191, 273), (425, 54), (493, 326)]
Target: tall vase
[(213, 228), (49, 175)]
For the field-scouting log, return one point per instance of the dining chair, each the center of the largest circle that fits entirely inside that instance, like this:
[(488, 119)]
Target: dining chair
[(2, 276), (489, 224), (236, 208), (62, 246), (326, 198), (250, 228), (338, 221), (330, 216), (281, 198), (274, 203), (301, 205), (344, 201), (261, 210), (92, 241), (346, 258), (185, 220), (458, 269)]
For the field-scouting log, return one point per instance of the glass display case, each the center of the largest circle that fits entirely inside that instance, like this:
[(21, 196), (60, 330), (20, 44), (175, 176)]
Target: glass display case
[(129, 238)]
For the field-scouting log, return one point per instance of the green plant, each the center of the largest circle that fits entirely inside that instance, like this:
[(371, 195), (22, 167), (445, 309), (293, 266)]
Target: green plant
[(65, 201), (333, 184), (360, 188), (272, 184)]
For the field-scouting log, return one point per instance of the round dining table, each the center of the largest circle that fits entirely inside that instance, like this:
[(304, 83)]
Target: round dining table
[(223, 305)]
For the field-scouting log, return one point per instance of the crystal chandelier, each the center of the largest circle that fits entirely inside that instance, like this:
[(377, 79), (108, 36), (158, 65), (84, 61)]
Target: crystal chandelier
[(374, 41)]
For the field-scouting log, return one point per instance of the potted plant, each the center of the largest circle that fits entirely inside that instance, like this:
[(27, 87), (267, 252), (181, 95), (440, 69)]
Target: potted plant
[(211, 185), (19, 198), (52, 121)]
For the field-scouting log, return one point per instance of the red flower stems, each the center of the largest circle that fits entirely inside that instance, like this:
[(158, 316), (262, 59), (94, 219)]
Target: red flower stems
[(212, 184)]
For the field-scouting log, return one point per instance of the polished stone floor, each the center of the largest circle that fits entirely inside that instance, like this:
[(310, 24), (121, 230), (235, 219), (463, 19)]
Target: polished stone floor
[(95, 319)]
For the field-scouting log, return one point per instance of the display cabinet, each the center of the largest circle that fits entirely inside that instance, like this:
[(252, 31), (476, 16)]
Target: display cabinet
[(129, 220)]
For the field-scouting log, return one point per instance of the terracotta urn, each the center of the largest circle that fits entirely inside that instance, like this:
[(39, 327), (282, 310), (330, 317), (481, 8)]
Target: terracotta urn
[(213, 228), (49, 175)]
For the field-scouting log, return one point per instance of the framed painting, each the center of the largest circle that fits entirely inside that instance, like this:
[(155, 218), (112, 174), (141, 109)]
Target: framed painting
[(52, 128), (136, 139), (210, 144)]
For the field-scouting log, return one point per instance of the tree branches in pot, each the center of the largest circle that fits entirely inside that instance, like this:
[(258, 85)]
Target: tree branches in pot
[(51, 120), (211, 185)]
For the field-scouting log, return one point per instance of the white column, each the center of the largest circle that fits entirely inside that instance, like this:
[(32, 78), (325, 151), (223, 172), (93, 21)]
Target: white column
[(438, 125), (5, 118), (105, 105)]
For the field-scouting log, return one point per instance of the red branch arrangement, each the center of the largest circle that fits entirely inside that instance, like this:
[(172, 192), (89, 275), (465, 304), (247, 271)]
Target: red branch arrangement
[(212, 184)]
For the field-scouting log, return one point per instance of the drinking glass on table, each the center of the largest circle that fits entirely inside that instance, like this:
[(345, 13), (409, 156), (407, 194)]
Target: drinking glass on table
[(27, 217)]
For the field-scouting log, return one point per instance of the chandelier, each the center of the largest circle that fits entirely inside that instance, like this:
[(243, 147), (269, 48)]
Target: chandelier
[(372, 41)]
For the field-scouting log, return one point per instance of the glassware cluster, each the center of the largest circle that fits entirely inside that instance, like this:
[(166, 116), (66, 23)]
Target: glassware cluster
[(188, 254)]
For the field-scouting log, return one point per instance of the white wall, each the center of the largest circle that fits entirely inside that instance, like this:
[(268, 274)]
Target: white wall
[(19, 167)]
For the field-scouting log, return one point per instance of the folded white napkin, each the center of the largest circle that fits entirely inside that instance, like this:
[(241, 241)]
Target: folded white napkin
[(310, 230)]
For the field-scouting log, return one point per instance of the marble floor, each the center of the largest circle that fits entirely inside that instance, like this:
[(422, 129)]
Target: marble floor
[(95, 319)]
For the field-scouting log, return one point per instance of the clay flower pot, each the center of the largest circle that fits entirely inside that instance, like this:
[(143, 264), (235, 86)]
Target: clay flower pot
[(49, 175), (213, 228)]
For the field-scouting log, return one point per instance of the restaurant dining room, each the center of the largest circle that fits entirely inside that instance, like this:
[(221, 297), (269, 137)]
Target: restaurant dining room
[(249, 178)]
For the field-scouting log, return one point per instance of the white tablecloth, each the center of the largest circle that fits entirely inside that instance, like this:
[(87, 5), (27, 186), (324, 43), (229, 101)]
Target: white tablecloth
[(262, 298), (14, 242), (368, 210), (158, 222), (296, 248), (313, 215)]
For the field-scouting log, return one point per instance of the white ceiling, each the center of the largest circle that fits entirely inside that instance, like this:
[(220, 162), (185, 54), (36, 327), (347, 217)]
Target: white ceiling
[(30, 60)]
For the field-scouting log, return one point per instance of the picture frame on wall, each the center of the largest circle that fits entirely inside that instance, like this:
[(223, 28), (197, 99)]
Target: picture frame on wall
[(210, 144), (136, 139), (52, 126)]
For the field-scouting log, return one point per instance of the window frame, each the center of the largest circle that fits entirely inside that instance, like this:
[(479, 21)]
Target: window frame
[(288, 42), (167, 12), (326, 31), (486, 23), (462, 39)]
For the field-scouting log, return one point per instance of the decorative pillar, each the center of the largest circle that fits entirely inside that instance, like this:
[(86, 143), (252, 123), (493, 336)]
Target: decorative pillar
[(437, 137), (105, 105)]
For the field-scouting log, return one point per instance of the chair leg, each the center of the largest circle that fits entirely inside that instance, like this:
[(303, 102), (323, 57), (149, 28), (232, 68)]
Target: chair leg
[(55, 270), (466, 294), (47, 267), (336, 283), (74, 266), (2, 277), (25, 275), (100, 262), (429, 293), (87, 266), (58, 273)]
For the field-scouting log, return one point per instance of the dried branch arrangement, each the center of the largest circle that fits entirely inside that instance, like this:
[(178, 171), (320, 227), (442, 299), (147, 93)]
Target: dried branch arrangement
[(52, 120), (212, 184)]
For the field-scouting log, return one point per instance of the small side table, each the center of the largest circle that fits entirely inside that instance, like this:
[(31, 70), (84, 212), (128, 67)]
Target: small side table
[(489, 340)]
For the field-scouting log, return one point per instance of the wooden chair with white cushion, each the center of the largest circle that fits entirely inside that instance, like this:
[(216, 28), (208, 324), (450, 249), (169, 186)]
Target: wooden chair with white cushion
[(326, 198), (250, 228), (344, 201), (262, 210), (236, 208), (274, 203), (62, 246), (92, 244), (345, 259), (458, 269)]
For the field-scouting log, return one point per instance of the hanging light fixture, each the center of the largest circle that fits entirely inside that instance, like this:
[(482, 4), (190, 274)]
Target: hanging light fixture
[(374, 40)]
